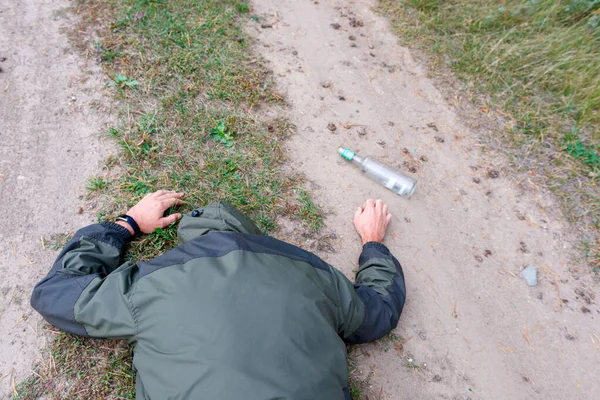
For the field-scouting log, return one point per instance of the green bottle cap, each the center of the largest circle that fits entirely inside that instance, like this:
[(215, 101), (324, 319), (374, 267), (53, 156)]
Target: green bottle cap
[(346, 153)]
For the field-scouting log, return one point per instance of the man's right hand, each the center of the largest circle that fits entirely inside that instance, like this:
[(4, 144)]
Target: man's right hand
[(371, 221)]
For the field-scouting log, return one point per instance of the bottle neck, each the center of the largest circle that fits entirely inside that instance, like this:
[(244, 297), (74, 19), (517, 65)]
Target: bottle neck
[(358, 160)]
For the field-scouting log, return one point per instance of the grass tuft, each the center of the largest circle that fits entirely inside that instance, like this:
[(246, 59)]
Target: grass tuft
[(96, 183)]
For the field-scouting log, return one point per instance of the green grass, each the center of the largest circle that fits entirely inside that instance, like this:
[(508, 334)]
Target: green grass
[(308, 212), (96, 183), (538, 63), (190, 91)]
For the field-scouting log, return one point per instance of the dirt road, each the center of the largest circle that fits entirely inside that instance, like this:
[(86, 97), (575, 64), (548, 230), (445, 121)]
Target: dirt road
[(49, 148), (471, 328)]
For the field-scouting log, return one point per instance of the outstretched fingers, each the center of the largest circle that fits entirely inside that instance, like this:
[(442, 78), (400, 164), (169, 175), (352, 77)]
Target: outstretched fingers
[(166, 203), (162, 194), (166, 221)]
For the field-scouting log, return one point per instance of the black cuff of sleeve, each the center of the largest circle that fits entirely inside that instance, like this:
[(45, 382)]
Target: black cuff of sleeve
[(377, 246), (121, 231)]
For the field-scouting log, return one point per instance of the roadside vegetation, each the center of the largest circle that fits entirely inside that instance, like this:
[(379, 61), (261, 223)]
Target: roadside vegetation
[(536, 63), (191, 96)]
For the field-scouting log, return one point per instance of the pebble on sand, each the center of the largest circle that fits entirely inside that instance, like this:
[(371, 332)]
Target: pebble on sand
[(530, 275)]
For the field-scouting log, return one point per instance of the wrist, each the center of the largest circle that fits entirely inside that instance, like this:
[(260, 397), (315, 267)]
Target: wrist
[(131, 222), (126, 226), (371, 238)]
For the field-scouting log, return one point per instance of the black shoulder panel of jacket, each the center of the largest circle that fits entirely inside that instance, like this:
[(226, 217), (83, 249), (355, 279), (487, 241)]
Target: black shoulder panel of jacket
[(382, 312), (54, 297), (218, 244)]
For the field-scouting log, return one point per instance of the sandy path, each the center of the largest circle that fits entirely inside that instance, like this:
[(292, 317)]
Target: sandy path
[(49, 147), (472, 325)]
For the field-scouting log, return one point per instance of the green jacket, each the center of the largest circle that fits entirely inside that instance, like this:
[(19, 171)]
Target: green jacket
[(229, 314)]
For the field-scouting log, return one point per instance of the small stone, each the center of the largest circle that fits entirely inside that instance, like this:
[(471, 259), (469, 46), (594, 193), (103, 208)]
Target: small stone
[(493, 174), (381, 143), (335, 26), (353, 44), (530, 275), (437, 378), (80, 210), (440, 139), (487, 253), (352, 37), (362, 131), (342, 98), (423, 158), (326, 84), (266, 26), (422, 335), (523, 247), (372, 54), (356, 22), (479, 258), (433, 126), (331, 126), (411, 168), (476, 180), (295, 52)]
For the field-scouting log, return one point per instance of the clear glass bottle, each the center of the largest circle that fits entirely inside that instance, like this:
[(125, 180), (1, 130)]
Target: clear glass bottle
[(389, 177)]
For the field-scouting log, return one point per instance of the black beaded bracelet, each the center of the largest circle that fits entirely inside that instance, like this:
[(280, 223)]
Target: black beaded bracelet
[(131, 222)]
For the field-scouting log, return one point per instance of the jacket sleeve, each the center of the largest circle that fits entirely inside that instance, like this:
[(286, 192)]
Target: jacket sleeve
[(371, 307), (86, 292)]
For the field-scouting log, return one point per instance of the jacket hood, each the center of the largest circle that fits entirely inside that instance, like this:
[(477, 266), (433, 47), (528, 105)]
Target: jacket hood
[(215, 217)]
